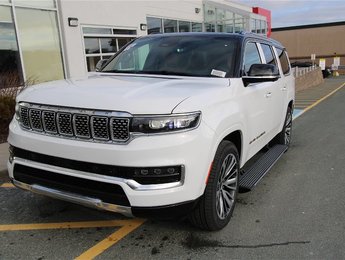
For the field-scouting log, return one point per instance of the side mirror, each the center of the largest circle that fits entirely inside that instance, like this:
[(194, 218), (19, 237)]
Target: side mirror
[(100, 64), (261, 73)]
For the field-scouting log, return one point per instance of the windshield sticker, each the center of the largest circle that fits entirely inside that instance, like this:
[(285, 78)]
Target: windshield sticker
[(130, 46), (218, 73)]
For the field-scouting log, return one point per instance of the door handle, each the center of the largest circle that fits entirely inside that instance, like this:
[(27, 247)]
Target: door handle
[(268, 94), (284, 88)]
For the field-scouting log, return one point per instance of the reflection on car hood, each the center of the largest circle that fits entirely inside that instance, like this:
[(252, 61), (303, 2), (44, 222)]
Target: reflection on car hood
[(131, 93)]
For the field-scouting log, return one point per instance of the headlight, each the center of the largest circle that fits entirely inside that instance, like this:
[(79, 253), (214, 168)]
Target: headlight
[(164, 124), (17, 111)]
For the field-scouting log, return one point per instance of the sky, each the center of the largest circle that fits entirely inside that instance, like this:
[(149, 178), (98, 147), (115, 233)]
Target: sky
[(301, 12)]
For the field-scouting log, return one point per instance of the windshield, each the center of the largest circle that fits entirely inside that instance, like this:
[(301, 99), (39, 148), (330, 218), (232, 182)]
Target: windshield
[(192, 55)]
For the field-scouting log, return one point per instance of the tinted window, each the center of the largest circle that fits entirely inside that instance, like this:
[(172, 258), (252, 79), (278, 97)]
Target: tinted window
[(269, 56), (177, 55), (154, 25), (284, 61), (251, 56)]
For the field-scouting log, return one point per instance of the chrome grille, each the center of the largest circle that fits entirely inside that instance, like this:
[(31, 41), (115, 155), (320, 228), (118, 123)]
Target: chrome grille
[(73, 123)]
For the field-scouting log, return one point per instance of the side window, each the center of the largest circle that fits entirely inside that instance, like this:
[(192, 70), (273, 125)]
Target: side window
[(251, 56), (284, 61), (268, 53)]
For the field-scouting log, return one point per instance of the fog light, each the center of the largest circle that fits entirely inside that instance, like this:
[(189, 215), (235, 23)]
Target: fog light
[(144, 172), (171, 170), (157, 171)]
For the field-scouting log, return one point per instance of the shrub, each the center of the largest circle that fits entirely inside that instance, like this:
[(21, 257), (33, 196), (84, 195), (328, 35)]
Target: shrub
[(10, 86)]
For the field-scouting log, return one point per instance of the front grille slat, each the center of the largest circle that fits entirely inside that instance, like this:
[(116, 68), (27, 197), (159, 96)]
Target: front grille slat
[(49, 122), (24, 117), (63, 122), (35, 117), (100, 128), (81, 126)]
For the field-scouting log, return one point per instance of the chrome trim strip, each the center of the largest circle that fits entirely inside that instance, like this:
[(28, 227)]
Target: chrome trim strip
[(101, 178), (89, 112), (74, 198)]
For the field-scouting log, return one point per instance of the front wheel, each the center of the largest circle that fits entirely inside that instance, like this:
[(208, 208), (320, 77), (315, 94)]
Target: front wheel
[(216, 206)]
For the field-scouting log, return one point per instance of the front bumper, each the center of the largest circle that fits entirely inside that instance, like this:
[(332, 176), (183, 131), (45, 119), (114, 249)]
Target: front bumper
[(190, 149)]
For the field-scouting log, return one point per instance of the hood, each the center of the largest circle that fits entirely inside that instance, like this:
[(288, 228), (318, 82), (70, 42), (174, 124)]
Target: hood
[(133, 94)]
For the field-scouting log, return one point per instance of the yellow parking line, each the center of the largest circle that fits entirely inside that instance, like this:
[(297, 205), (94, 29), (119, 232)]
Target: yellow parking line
[(319, 101), (69, 225), (111, 240), (322, 99), (7, 185)]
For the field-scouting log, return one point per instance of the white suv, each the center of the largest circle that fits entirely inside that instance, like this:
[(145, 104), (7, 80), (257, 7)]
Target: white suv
[(163, 128)]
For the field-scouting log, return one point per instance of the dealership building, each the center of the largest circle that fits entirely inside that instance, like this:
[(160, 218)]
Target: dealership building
[(47, 40), (326, 42)]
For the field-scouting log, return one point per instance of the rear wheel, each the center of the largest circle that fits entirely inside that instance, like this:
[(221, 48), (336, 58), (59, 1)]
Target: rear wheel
[(216, 206), (284, 137)]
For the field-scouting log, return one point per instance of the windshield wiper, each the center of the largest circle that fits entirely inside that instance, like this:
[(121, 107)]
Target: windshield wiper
[(120, 71), (153, 72), (165, 72)]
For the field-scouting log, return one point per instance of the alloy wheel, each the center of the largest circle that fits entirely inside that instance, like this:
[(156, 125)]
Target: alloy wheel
[(227, 186)]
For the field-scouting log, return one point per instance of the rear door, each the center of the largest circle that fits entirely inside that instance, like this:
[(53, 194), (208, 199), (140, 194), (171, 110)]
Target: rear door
[(277, 98)]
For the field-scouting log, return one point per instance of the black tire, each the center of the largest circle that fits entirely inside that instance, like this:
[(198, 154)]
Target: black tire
[(220, 192), (284, 137)]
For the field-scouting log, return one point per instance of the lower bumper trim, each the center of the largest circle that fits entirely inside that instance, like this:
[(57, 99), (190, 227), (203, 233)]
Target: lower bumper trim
[(74, 198)]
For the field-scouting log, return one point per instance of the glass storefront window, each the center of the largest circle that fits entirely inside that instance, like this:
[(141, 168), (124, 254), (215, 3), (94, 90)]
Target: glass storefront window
[(170, 26), (209, 13), (108, 45), (123, 41), (36, 3), (154, 25), (220, 14), (91, 30), (229, 15), (91, 45), (209, 27), (184, 26), (257, 26), (196, 27), (239, 26), (229, 26), (252, 25), (220, 27), (40, 44), (263, 27), (124, 31), (9, 56), (92, 62), (98, 47)]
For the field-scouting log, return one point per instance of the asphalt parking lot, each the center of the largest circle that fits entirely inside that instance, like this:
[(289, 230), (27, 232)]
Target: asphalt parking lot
[(296, 212)]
